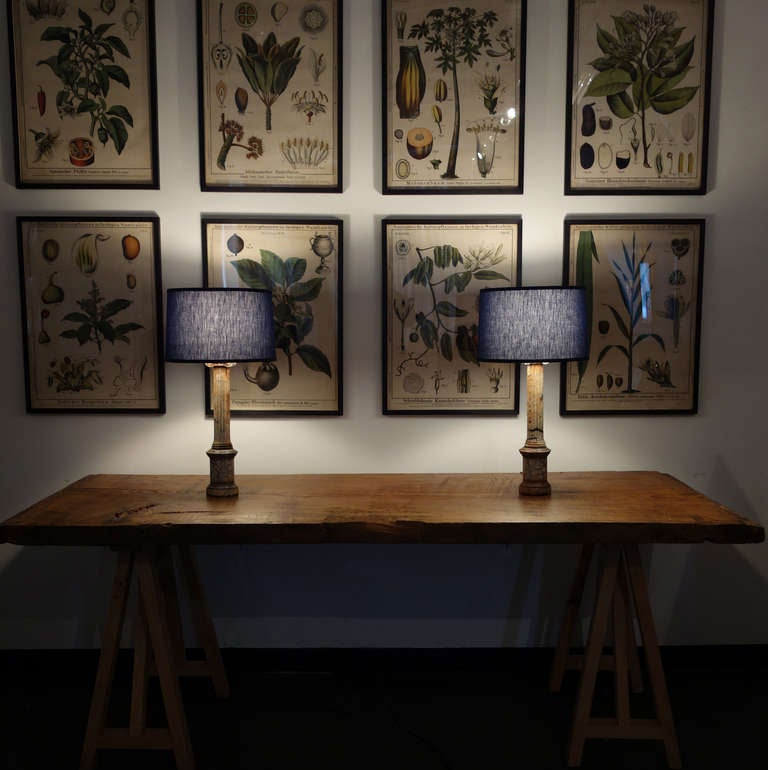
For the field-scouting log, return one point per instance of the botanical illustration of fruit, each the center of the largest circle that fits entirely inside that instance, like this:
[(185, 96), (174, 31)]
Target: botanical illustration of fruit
[(638, 108), (642, 282), (434, 275), (83, 87), (270, 96), (453, 94), (90, 303), (300, 263)]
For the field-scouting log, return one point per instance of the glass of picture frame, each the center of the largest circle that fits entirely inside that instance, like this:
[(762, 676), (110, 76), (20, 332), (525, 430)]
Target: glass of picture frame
[(643, 279), (84, 94), (453, 86), (432, 273), (92, 313), (270, 96), (300, 262), (637, 104)]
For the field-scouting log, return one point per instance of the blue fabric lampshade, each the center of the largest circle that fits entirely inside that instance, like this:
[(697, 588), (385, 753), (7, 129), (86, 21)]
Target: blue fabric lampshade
[(533, 324), (219, 325)]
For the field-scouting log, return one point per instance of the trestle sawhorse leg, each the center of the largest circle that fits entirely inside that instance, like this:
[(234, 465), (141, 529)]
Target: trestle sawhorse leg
[(158, 649), (622, 592)]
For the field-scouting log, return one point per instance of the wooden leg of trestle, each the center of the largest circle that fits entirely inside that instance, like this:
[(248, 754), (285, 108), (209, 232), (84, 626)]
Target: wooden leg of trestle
[(109, 647), (159, 634), (201, 617), (621, 655), (635, 671), (570, 616), (652, 655), (606, 586), (141, 665)]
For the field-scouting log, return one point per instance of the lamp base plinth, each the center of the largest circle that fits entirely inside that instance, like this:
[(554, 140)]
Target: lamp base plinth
[(534, 472), (222, 473)]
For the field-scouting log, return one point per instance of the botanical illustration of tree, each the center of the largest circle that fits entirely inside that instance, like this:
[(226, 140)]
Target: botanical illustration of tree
[(634, 283), (291, 298), (456, 36), (642, 65), (435, 323)]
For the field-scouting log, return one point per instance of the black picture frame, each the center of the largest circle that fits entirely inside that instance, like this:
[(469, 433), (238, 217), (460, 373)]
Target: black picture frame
[(307, 159), (431, 163), (308, 309), (60, 376), (416, 348), (55, 157), (644, 279), (612, 145)]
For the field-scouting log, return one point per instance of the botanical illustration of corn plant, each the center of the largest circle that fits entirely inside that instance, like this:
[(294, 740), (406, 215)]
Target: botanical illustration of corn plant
[(634, 284), (642, 66), (269, 67), (85, 65), (291, 304), (435, 324), (455, 36)]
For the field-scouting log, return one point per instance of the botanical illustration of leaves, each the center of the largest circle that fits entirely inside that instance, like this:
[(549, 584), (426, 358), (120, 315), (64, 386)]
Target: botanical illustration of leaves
[(118, 74), (651, 336), (427, 330), (307, 291), (607, 348), (121, 112), (295, 267), (273, 265), (314, 358), (118, 45), (450, 310), (85, 18), (446, 346), (623, 291), (610, 82), (621, 105), (671, 101), (252, 274), (619, 321), (115, 306), (489, 275)]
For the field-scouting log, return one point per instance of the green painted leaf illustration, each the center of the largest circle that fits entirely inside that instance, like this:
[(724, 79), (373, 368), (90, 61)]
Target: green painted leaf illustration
[(306, 292), (621, 105), (118, 74), (446, 346), (656, 337), (619, 321), (85, 18), (121, 112), (114, 307), (252, 274), (607, 42), (489, 275), (118, 45), (586, 251), (427, 330), (609, 82), (683, 56), (273, 265), (657, 85), (450, 310), (673, 100), (621, 348), (295, 267), (314, 359), (56, 33)]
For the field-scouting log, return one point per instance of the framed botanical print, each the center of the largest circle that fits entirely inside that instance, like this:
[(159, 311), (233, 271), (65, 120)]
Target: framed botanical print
[(453, 96), (270, 79), (637, 106), (433, 270), (84, 93), (300, 262), (643, 281), (92, 313)]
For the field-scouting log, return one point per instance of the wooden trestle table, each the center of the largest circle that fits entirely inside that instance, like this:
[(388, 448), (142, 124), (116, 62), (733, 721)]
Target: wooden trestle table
[(153, 520)]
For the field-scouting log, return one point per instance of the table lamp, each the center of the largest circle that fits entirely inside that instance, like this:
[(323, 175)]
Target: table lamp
[(534, 326), (218, 328)]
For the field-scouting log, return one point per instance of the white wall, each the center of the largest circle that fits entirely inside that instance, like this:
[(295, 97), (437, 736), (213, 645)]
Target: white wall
[(410, 596)]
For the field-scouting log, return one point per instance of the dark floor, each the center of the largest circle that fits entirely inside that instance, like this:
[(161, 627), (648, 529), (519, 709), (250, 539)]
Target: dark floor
[(391, 710)]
